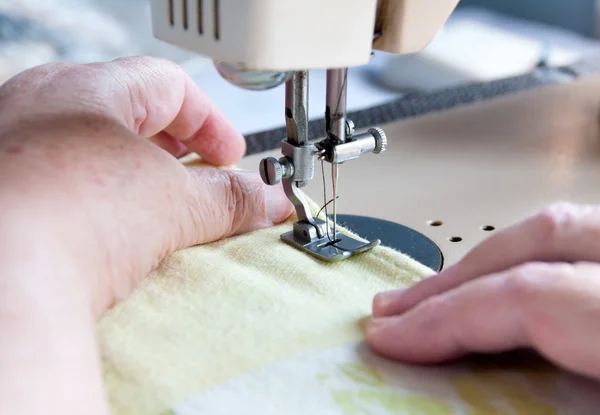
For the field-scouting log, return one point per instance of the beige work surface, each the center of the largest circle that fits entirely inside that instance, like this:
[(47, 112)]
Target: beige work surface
[(486, 164)]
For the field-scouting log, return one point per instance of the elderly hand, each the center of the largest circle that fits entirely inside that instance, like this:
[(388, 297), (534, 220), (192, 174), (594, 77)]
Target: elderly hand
[(536, 284), (92, 198)]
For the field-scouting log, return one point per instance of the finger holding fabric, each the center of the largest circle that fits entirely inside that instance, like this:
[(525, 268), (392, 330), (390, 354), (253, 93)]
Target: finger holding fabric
[(536, 284)]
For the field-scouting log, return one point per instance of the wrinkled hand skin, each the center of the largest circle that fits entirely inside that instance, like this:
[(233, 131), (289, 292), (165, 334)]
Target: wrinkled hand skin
[(533, 285), (79, 162), (92, 198)]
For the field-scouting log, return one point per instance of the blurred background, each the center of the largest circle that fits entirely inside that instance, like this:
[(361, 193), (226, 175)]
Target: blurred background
[(483, 41)]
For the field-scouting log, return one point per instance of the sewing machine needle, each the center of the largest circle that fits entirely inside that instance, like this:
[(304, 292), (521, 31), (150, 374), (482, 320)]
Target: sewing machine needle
[(334, 179)]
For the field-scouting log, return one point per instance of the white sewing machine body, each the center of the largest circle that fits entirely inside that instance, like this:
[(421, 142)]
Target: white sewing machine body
[(287, 35)]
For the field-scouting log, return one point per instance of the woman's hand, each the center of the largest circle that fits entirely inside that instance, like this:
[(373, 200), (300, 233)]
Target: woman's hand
[(536, 284), (92, 198)]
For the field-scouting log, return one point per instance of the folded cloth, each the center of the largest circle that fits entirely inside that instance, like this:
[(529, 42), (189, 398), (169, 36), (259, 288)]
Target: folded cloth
[(252, 325)]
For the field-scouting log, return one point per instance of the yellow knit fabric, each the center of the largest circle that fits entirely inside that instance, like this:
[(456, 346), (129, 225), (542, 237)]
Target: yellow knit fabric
[(210, 314)]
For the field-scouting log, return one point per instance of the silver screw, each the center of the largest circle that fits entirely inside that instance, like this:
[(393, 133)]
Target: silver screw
[(271, 171), (380, 139), (349, 128)]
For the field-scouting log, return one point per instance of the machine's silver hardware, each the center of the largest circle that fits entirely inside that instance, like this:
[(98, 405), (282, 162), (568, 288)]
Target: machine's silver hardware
[(297, 166), (302, 158), (249, 79), (308, 232), (349, 128), (272, 171), (373, 141), (335, 101), (300, 155), (324, 249), (334, 180), (303, 212), (380, 139), (296, 109), (337, 127), (296, 147)]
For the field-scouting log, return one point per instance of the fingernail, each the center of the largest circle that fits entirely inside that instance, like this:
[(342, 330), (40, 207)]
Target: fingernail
[(385, 297), (382, 300), (278, 207), (376, 326)]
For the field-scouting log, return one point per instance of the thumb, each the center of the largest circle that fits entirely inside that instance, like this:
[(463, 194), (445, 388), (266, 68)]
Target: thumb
[(226, 203)]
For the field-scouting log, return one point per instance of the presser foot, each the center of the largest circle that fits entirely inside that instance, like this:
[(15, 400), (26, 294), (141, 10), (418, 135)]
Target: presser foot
[(306, 238)]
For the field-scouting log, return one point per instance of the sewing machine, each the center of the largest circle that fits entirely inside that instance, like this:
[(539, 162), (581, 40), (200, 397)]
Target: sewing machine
[(260, 44)]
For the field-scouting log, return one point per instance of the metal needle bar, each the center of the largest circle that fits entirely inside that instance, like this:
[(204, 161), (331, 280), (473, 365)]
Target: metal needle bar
[(335, 112), (296, 108), (297, 148)]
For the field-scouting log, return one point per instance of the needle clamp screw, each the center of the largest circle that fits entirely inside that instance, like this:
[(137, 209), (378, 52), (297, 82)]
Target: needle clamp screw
[(272, 171)]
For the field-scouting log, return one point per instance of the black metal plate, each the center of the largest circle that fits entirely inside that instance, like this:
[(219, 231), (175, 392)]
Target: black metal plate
[(396, 236)]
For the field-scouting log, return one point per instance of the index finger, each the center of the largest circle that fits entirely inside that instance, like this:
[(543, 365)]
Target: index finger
[(562, 232), (161, 99), (550, 307)]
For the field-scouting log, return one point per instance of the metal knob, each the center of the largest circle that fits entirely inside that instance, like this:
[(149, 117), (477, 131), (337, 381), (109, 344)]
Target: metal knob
[(380, 139), (252, 80), (273, 170)]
